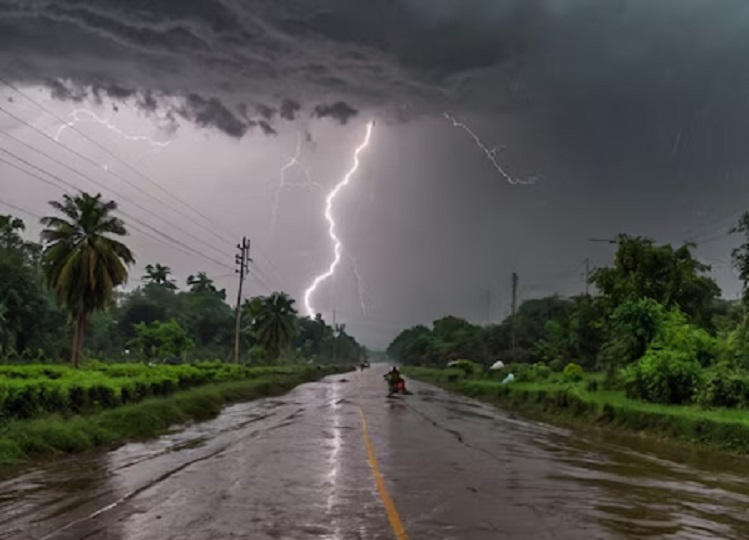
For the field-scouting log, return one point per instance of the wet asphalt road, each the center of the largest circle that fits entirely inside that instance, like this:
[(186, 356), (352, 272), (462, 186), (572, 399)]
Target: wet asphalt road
[(296, 467)]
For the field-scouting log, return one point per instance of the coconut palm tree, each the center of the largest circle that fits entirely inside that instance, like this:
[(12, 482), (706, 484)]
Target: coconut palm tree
[(82, 262), (201, 283), (158, 274), (276, 323)]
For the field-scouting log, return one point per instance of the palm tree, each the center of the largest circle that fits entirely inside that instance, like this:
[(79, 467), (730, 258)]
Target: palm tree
[(158, 274), (82, 262), (275, 323), (201, 283)]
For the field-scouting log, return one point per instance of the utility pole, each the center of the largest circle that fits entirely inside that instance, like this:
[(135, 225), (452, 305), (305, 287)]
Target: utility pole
[(243, 260), (587, 275), (335, 337), (488, 306), (514, 305)]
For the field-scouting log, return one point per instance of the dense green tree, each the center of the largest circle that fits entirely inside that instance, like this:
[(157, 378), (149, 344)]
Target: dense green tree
[(275, 324), (671, 277), (161, 340), (82, 261)]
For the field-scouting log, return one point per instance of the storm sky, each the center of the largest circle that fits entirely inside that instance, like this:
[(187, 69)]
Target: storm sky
[(631, 115)]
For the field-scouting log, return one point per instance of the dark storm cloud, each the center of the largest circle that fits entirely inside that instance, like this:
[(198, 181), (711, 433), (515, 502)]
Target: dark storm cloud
[(265, 111), (212, 113), (289, 109), (339, 111), (66, 91), (604, 80)]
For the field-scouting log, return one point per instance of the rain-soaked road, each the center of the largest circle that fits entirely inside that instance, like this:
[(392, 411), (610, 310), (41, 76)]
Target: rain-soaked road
[(297, 467)]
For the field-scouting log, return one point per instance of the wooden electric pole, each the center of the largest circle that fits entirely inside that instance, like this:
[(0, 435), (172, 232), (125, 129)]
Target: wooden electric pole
[(514, 306), (243, 260), (587, 276)]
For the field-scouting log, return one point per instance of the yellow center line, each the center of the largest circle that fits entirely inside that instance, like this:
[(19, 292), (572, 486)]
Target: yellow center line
[(393, 517)]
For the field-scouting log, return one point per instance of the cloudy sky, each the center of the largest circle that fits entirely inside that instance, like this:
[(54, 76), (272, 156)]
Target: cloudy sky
[(627, 115)]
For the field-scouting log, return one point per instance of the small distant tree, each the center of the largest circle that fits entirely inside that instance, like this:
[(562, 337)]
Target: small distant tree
[(158, 274), (161, 339)]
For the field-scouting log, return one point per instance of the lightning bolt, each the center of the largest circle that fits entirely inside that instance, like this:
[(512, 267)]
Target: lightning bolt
[(491, 155), (293, 161), (77, 116), (337, 245), (359, 286)]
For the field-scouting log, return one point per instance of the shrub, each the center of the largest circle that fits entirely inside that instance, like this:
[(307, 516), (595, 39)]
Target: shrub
[(556, 365), (573, 372), (663, 376), (724, 386), (467, 367)]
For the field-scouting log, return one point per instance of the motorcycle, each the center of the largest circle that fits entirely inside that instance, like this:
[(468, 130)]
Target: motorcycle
[(397, 387)]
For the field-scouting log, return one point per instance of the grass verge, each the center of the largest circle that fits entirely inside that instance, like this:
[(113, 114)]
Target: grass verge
[(23, 440), (721, 429)]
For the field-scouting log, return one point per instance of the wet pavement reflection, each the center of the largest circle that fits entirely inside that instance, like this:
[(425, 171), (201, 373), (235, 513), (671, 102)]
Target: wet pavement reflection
[(295, 467)]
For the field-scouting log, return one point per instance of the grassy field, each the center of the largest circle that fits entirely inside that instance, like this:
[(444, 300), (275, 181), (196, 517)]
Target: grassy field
[(724, 429), (52, 410)]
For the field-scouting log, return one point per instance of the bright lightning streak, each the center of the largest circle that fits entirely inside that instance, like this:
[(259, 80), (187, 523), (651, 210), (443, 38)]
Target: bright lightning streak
[(337, 245), (490, 154), (293, 161), (77, 116)]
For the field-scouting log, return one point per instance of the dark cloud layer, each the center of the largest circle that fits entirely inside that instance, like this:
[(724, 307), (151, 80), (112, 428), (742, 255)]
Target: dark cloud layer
[(600, 66), (339, 111)]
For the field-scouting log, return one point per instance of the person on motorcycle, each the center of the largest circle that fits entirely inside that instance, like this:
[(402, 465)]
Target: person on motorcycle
[(395, 381)]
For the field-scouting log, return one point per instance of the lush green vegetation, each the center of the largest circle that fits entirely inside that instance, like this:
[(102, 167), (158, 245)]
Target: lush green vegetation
[(61, 299), (585, 401), (32, 391), (655, 331), (66, 432)]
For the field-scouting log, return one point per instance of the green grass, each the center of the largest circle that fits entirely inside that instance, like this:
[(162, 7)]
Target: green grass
[(724, 429), (52, 435)]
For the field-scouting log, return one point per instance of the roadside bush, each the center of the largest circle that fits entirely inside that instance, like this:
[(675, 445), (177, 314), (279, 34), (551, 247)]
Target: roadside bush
[(556, 365), (724, 386), (572, 372), (663, 376), (467, 367), (30, 391)]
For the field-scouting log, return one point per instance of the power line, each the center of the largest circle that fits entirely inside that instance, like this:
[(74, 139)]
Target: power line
[(115, 156), (98, 183), (90, 161), (126, 164), (19, 209), (162, 234)]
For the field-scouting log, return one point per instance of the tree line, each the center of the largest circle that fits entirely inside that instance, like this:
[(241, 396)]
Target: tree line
[(655, 326), (62, 297)]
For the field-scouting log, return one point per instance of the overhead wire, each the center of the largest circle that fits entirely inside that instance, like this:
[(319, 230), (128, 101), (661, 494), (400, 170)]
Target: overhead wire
[(123, 162), (19, 209), (116, 157), (101, 185), (171, 240)]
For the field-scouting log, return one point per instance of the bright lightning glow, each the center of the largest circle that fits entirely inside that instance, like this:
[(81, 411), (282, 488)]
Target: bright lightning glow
[(337, 246), (78, 115), (490, 154), (309, 183)]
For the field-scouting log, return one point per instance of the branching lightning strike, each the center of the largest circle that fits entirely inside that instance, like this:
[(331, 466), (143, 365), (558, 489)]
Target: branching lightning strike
[(491, 155), (337, 245), (77, 116), (293, 162)]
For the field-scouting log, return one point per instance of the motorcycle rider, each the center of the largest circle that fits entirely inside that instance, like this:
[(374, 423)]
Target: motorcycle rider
[(395, 381)]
